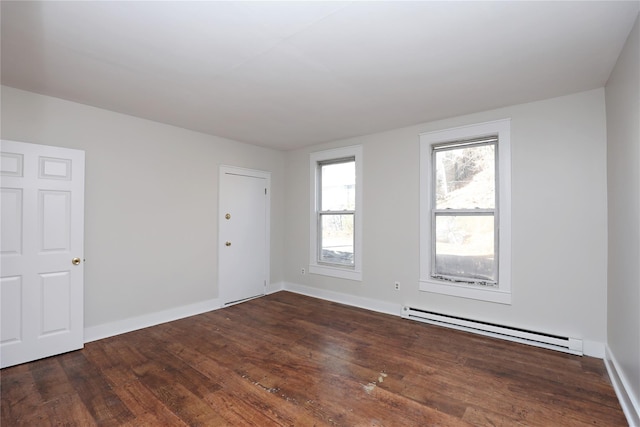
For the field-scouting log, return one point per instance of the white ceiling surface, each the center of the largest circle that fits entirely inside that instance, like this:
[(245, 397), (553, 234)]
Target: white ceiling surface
[(290, 74)]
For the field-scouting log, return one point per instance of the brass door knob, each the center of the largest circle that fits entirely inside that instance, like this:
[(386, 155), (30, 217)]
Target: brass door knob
[(75, 261), (228, 244)]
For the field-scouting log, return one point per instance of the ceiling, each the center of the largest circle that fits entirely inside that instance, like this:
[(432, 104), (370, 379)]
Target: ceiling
[(290, 74)]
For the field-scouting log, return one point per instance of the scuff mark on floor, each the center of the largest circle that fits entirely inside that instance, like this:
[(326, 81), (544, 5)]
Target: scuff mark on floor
[(369, 387), (372, 385)]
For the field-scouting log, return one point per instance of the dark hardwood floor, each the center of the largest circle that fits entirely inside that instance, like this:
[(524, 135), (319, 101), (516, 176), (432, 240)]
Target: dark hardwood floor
[(291, 360)]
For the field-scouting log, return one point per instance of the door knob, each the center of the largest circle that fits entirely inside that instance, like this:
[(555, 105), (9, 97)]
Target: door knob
[(228, 244), (228, 216), (75, 261)]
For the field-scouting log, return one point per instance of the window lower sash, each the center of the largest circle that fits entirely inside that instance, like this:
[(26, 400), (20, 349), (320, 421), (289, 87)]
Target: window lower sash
[(464, 247), (336, 238)]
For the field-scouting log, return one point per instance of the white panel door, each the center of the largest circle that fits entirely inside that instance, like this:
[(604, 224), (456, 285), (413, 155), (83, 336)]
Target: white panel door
[(243, 234), (42, 225)]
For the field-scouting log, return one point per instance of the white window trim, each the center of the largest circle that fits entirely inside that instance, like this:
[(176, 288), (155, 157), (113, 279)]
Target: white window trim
[(347, 272), (501, 293)]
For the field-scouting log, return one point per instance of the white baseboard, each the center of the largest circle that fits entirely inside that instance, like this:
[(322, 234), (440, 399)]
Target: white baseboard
[(106, 330), (628, 400), (355, 301), (590, 348), (593, 349), (274, 287), (93, 333)]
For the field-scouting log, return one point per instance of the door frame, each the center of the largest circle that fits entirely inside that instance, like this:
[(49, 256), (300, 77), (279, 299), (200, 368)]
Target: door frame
[(254, 173)]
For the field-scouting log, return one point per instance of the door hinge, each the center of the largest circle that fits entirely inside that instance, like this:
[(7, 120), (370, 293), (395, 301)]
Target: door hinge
[(265, 191)]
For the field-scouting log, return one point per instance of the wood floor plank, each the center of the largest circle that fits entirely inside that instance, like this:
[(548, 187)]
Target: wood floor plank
[(483, 417), (94, 390), (51, 379), (148, 409), (68, 409), (192, 409), (290, 360), (20, 397), (115, 357)]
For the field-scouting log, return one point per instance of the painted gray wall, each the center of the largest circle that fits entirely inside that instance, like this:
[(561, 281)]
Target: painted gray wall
[(151, 202), (152, 210), (623, 157), (559, 219)]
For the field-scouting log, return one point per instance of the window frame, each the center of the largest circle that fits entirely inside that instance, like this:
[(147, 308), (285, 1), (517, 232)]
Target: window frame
[(501, 291), (328, 269)]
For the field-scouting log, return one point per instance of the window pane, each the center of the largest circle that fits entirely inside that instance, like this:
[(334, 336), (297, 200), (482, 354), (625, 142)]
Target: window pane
[(465, 246), (338, 192), (336, 244), (465, 178)]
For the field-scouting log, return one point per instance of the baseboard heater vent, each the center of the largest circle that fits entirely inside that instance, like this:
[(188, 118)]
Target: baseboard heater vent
[(553, 342)]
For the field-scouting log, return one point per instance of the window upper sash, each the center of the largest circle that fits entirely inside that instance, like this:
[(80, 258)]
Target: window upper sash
[(491, 140), (467, 143), (320, 192)]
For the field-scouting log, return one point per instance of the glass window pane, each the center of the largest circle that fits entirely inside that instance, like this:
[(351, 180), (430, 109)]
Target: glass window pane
[(336, 244), (465, 246), (465, 178), (338, 190)]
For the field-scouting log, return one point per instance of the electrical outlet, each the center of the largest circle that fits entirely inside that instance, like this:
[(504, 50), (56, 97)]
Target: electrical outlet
[(303, 271), (397, 286)]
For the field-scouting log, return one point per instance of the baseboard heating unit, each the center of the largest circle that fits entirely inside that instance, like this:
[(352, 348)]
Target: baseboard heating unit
[(553, 342)]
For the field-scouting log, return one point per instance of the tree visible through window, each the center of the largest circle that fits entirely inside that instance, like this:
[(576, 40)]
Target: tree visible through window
[(464, 211)]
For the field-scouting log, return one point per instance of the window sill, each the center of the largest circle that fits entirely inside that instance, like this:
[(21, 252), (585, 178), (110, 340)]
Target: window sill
[(466, 291), (341, 273)]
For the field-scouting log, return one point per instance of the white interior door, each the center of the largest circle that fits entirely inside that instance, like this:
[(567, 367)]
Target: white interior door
[(42, 223), (243, 234)]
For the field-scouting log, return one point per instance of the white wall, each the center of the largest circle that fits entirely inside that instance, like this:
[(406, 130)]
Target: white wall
[(151, 202), (623, 151), (559, 219)]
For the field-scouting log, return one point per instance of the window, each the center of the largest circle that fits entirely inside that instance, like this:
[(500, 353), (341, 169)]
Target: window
[(336, 214), (465, 212)]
